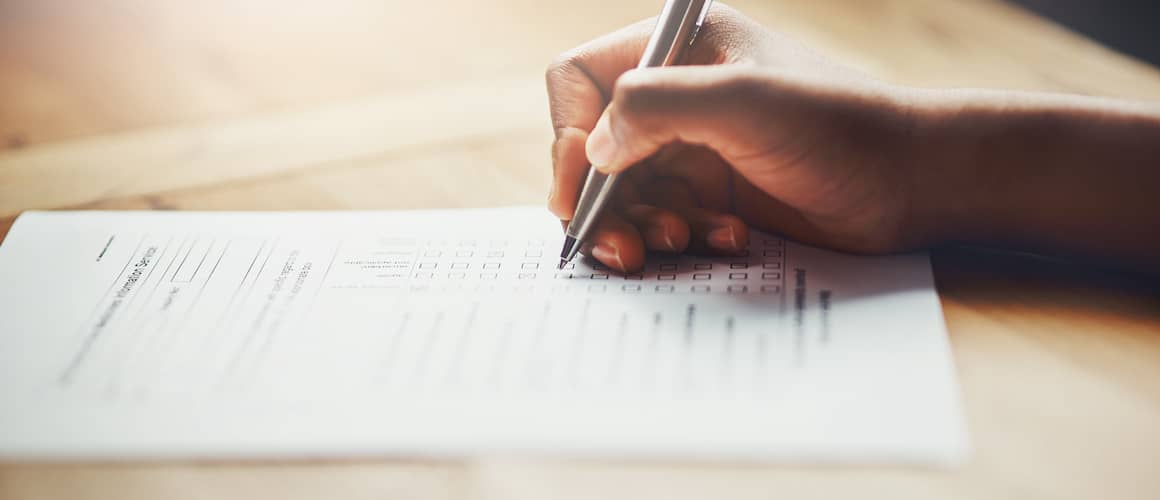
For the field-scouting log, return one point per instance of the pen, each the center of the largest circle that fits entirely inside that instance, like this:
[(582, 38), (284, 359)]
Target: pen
[(677, 26)]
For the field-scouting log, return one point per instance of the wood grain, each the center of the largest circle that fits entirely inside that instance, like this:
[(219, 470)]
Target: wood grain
[(165, 159), (257, 104)]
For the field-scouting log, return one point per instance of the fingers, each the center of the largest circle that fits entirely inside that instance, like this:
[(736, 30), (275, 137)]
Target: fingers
[(714, 232), (621, 239), (695, 230), (617, 244), (662, 230), (702, 230), (570, 168), (579, 82), (721, 107)]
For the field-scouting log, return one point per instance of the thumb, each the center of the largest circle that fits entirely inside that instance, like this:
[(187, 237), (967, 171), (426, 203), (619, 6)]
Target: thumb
[(721, 107)]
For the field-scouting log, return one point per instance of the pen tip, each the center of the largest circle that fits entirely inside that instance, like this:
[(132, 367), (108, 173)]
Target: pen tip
[(568, 252)]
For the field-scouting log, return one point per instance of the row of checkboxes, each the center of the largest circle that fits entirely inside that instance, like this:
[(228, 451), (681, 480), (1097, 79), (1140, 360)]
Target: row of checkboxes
[(467, 265), (708, 266), (427, 266), (495, 254), (768, 275), (489, 243), (486, 276), (635, 288)]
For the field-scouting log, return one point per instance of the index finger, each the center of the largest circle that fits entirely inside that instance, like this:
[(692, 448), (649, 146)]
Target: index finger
[(579, 87), (580, 81)]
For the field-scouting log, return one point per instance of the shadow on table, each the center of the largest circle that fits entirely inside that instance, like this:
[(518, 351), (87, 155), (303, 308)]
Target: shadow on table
[(981, 277)]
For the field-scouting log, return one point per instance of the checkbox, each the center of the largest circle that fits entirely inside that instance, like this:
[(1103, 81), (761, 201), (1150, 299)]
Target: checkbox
[(702, 266), (488, 276), (465, 253), (668, 267), (527, 276), (425, 276), (495, 254), (768, 289), (772, 265), (702, 276), (457, 276), (530, 265), (433, 253), (460, 265), (533, 252), (700, 288), (631, 288), (665, 288), (428, 265), (739, 265), (563, 276), (491, 265), (738, 276), (771, 275), (635, 277), (738, 289), (599, 276), (666, 277)]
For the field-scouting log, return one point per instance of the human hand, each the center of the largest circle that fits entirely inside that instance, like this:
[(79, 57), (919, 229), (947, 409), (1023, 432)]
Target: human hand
[(756, 132)]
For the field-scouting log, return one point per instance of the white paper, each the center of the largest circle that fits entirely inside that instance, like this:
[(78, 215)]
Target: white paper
[(232, 335)]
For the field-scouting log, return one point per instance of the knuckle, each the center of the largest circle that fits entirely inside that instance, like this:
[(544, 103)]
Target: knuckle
[(635, 93), (562, 66), (744, 83)]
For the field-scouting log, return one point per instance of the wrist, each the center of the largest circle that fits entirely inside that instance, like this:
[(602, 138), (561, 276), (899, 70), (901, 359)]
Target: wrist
[(1045, 173), (952, 198), (931, 170)]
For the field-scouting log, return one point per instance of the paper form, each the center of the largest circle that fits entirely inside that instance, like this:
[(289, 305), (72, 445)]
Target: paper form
[(227, 335)]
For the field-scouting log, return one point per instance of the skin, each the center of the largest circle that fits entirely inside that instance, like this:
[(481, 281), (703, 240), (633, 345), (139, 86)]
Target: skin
[(758, 131)]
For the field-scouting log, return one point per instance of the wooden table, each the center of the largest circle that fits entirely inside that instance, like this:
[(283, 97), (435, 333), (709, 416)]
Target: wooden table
[(262, 104)]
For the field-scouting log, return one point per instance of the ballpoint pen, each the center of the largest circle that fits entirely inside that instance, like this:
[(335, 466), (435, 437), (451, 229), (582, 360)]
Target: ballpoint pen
[(677, 27)]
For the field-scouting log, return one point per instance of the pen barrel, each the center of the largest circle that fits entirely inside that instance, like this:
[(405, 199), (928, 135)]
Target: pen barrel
[(676, 28), (597, 193)]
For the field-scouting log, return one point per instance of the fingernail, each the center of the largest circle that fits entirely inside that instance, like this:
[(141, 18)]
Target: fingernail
[(608, 255), (659, 237), (722, 238), (601, 146)]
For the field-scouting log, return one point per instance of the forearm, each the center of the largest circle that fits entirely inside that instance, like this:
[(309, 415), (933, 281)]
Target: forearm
[(1050, 174)]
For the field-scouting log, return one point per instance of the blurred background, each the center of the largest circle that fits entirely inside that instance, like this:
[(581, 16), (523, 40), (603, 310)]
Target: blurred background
[(1126, 25), (72, 68)]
